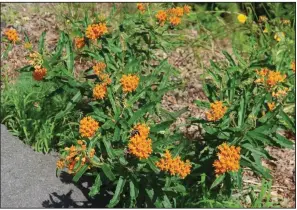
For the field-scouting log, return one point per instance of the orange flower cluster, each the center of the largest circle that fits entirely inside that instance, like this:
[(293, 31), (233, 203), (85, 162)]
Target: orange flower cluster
[(12, 35), (99, 91), (39, 73), (229, 157), (95, 31), (140, 7), (280, 93), (79, 42), (271, 106), (74, 155), (88, 127), (175, 166), (140, 145), (216, 112), (174, 14), (270, 78), (293, 66), (99, 67), (129, 82)]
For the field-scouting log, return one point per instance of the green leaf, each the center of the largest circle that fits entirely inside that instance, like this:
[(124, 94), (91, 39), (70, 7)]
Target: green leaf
[(117, 134), (291, 125), (283, 141), (59, 48), (142, 111), (41, 43), (152, 165), (107, 171), (95, 189), (69, 106), (203, 104), (80, 173), (134, 190), (161, 126), (70, 55), (119, 189), (229, 58), (257, 151), (111, 99), (217, 181), (242, 109), (108, 148)]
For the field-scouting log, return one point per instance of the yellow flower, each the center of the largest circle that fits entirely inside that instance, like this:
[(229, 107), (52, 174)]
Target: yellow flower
[(263, 19), (39, 73), (27, 45), (99, 67), (175, 166), (88, 127), (129, 82), (293, 66), (12, 35), (286, 22), (141, 7), (228, 159), (79, 42), (279, 36), (280, 93), (241, 18), (161, 16), (216, 112), (140, 146), (271, 106), (174, 21), (265, 30), (99, 91), (35, 59)]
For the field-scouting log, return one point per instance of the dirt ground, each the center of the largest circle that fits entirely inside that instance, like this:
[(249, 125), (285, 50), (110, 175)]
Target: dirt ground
[(185, 59)]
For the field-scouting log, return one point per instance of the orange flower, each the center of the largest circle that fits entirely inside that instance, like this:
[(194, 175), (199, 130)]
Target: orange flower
[(129, 82), (39, 73), (271, 106), (99, 91), (216, 112), (105, 79), (229, 157), (12, 35), (262, 19), (92, 153), (140, 146), (178, 11), (95, 31), (275, 77), (174, 21), (175, 166), (60, 164), (187, 9), (143, 130), (80, 142), (99, 67), (161, 16), (280, 93), (293, 66), (79, 42), (141, 7), (88, 127)]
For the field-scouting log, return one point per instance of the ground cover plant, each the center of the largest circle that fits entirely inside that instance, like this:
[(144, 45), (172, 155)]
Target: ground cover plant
[(107, 120)]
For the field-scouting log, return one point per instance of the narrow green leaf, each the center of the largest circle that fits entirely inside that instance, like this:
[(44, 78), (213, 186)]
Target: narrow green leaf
[(203, 104), (119, 189), (41, 43), (108, 148), (70, 55), (107, 171), (111, 99), (95, 189), (217, 181), (80, 173), (142, 111)]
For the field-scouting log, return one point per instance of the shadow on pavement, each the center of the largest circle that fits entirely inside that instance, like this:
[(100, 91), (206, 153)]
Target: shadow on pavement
[(65, 201)]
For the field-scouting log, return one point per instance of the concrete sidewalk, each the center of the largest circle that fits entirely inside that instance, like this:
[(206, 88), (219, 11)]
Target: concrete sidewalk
[(28, 179)]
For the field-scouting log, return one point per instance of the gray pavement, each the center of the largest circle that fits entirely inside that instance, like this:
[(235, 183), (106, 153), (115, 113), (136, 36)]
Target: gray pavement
[(28, 179)]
